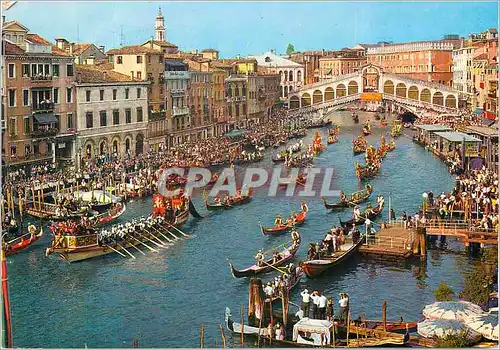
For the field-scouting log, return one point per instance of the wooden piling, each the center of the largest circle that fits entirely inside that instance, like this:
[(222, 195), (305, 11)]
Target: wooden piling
[(242, 326), (223, 336), (384, 315), (202, 337)]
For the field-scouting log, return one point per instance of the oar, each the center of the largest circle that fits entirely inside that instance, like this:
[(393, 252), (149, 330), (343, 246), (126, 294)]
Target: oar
[(129, 253), (161, 245), (140, 251), (152, 249), (160, 233), (170, 233), (182, 233), (116, 251), (281, 271), (273, 249), (159, 240)]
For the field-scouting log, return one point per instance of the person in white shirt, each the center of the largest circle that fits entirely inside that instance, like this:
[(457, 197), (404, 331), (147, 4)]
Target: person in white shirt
[(356, 213), (315, 299), (306, 297), (344, 306), (368, 224), (269, 290), (323, 301)]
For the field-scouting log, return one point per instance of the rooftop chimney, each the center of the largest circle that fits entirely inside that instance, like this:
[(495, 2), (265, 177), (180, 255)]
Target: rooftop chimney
[(71, 47)]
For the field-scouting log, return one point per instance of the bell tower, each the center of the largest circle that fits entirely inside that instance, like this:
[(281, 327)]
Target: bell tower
[(159, 27)]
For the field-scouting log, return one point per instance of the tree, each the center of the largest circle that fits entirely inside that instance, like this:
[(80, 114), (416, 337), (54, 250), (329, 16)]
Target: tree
[(444, 292), (479, 282), (290, 49), (459, 340)]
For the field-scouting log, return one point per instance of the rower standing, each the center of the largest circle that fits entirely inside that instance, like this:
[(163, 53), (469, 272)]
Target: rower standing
[(260, 258), (278, 221), (306, 297), (356, 213)]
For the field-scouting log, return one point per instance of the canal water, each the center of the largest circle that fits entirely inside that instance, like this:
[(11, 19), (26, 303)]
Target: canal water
[(162, 298)]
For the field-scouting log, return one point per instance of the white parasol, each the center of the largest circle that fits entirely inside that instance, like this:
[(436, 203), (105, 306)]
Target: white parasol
[(440, 328), (451, 310), (486, 324)]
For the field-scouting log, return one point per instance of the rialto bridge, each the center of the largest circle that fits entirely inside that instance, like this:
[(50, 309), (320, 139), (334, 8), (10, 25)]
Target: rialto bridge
[(372, 84)]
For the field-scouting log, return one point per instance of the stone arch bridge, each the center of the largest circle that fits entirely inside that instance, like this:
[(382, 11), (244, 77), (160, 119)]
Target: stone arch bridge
[(372, 84)]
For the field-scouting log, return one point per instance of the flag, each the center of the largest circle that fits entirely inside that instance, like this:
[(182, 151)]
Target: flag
[(7, 4), (158, 205)]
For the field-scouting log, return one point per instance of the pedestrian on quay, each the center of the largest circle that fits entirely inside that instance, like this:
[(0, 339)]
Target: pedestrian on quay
[(306, 297), (344, 306), (323, 301), (315, 298)]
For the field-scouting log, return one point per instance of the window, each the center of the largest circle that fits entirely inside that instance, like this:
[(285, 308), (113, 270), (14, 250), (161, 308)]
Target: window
[(26, 70), (33, 70), (69, 120), (27, 125), (56, 95), (69, 97), (128, 116), (138, 92), (114, 94), (104, 119), (12, 98), (116, 117), (89, 120), (139, 114), (12, 70), (26, 93), (119, 60), (160, 59), (47, 69), (87, 95), (13, 126), (101, 95), (139, 59), (126, 93), (139, 75), (69, 70), (55, 70)]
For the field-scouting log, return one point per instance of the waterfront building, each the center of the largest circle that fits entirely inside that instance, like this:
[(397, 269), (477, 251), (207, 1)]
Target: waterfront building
[(38, 102), (112, 113), (146, 64), (218, 107), (199, 103), (292, 73), (236, 100), (210, 54), (86, 53), (176, 83), (425, 60), (485, 78), (341, 62), (462, 70)]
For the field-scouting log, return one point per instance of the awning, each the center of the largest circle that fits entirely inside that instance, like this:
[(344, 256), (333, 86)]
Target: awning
[(45, 118), (489, 115), (478, 111)]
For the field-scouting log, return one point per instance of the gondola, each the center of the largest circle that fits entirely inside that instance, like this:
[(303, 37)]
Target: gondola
[(375, 212), (367, 171), (298, 276), (351, 201), (286, 255), (299, 219), (314, 268), (20, 243), (233, 203)]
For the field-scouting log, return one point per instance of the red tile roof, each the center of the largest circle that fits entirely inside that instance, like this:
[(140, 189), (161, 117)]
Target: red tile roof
[(37, 39), (12, 49), (134, 49), (58, 52), (78, 49), (91, 74)]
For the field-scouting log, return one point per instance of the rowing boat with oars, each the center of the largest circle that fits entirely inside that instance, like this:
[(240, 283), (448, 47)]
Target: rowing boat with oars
[(284, 257), (354, 199), (234, 201), (22, 242), (109, 215), (297, 220), (370, 214), (316, 267), (87, 244)]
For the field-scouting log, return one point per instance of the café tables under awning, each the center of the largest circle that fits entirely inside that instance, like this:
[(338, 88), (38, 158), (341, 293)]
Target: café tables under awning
[(45, 118)]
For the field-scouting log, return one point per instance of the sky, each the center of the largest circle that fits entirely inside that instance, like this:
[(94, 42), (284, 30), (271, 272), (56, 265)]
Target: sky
[(252, 28)]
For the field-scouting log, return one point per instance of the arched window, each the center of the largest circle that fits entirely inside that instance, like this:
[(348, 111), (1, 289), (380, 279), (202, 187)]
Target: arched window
[(290, 77), (299, 76), (267, 59)]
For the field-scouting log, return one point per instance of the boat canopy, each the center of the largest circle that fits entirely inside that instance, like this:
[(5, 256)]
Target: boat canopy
[(312, 332)]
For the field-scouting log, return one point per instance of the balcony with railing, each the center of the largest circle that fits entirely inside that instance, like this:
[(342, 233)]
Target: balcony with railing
[(177, 111), (157, 115), (42, 133), (40, 107), (178, 92)]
